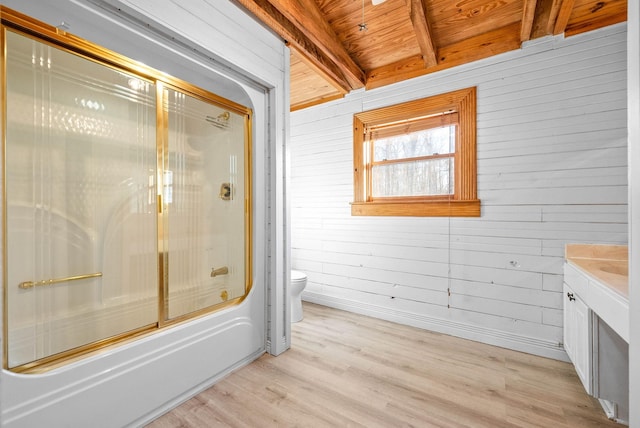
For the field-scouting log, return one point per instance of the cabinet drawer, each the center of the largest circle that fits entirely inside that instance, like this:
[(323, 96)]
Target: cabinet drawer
[(575, 279)]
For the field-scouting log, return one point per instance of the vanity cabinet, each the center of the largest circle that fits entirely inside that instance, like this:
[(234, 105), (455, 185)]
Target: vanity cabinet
[(596, 339), (577, 336)]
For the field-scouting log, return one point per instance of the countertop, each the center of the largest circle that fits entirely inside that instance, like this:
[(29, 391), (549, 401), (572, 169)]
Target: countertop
[(608, 264)]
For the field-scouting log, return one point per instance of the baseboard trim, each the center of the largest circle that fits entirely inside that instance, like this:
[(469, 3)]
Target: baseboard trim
[(530, 345)]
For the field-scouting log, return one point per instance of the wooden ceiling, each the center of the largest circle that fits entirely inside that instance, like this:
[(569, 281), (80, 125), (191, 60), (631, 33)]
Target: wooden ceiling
[(331, 55)]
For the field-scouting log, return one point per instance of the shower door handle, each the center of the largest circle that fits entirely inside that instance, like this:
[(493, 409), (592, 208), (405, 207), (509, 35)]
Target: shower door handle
[(30, 284)]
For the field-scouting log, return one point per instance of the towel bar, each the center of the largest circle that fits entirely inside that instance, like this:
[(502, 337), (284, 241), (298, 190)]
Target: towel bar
[(30, 284)]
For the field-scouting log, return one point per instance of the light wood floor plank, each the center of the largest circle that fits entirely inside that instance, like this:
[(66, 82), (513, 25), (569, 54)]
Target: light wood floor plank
[(348, 370)]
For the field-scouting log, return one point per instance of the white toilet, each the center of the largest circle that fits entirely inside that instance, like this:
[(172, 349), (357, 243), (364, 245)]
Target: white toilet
[(298, 282)]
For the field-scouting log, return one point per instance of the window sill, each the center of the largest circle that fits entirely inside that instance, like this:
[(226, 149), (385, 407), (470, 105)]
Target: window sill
[(418, 209)]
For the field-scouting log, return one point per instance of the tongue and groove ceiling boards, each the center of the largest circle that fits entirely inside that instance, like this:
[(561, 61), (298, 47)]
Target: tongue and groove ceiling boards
[(341, 45)]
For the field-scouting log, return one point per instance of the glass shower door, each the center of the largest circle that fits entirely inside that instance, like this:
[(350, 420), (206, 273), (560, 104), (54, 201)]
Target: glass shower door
[(127, 201), (81, 204), (205, 205)]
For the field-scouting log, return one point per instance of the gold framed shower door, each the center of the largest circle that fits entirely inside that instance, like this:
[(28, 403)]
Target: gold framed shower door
[(126, 193)]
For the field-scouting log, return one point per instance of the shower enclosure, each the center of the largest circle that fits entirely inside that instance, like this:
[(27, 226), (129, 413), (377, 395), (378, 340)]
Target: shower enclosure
[(127, 200)]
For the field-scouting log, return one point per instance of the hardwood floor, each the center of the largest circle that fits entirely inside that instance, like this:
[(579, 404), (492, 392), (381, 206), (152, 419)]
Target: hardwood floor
[(348, 370)]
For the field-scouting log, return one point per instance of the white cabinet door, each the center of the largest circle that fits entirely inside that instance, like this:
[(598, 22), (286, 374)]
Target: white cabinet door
[(577, 336), (569, 324), (583, 349)]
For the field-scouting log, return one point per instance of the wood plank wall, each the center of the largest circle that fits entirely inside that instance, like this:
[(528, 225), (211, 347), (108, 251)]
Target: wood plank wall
[(552, 169)]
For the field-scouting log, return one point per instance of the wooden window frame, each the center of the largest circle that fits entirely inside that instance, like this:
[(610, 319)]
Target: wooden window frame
[(464, 201)]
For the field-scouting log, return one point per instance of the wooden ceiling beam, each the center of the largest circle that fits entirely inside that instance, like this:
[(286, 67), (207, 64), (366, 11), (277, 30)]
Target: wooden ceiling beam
[(420, 22), (306, 16), (494, 42), (563, 16), (528, 14), (303, 57), (264, 11), (546, 16)]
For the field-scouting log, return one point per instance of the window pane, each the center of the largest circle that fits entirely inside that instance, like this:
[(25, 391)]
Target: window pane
[(415, 144), (418, 178)]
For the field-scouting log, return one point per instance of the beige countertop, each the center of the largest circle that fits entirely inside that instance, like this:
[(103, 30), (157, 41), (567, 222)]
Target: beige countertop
[(608, 264)]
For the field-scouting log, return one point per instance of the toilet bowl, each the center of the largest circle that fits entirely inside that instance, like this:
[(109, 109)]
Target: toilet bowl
[(298, 282)]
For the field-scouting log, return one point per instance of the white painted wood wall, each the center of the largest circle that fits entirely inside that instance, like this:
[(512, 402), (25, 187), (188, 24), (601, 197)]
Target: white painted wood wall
[(552, 170)]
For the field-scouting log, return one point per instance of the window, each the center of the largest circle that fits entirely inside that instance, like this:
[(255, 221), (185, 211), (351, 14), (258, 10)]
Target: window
[(417, 158)]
